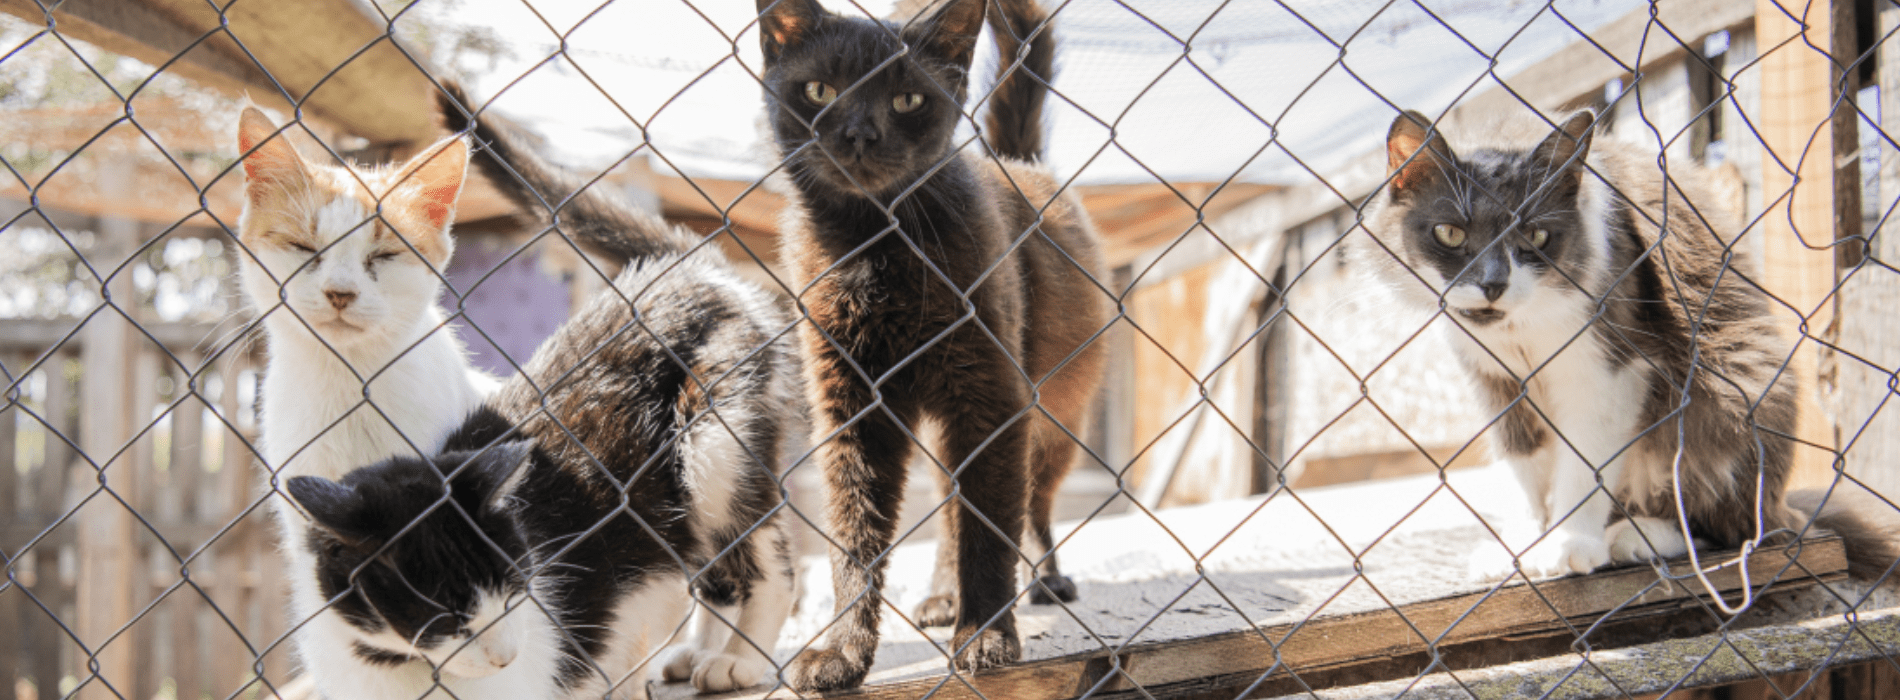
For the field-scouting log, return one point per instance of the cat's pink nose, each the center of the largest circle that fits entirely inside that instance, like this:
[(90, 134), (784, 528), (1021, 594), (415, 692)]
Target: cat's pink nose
[(339, 300)]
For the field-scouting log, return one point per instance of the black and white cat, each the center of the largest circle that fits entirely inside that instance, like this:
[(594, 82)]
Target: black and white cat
[(548, 549), (1612, 333)]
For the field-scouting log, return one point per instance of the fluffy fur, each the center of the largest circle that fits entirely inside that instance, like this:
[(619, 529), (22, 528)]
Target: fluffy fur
[(923, 306), (1609, 330)]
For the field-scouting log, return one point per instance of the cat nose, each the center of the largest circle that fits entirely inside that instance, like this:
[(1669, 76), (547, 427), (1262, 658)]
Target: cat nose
[(339, 300), (1493, 290), (861, 134)]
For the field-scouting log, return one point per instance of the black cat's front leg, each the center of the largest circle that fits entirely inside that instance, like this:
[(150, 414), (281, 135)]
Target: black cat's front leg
[(993, 489), (863, 465)]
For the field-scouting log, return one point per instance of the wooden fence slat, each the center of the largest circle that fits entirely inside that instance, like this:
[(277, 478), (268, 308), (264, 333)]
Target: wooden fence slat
[(12, 631), (231, 668), (49, 642), (185, 479)]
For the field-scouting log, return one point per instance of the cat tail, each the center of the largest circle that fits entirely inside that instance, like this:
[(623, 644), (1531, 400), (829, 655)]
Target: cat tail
[(1014, 126), (588, 215), (1868, 525)]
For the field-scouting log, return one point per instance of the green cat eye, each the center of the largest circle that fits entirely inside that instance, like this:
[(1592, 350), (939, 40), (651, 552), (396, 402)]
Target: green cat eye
[(819, 93), (907, 102), (1539, 237), (1448, 235)]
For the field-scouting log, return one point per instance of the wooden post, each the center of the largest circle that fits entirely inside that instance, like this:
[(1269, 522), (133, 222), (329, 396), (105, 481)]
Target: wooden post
[(1797, 94), (109, 560), (1870, 293)]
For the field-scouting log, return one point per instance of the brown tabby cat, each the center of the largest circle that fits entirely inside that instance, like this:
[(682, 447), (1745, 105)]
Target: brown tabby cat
[(941, 285)]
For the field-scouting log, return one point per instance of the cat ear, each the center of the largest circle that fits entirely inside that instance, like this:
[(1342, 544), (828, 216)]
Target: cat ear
[(784, 23), (1411, 136), (331, 505), (952, 31), (495, 472), (1570, 143), (271, 164), (436, 175)]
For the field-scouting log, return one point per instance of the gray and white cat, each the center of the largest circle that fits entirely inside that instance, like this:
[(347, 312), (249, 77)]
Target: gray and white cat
[(1609, 330)]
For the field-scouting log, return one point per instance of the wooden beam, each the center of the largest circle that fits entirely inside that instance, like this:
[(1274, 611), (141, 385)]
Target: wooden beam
[(335, 57), (1134, 219), (749, 207), (1798, 228), (1626, 43)]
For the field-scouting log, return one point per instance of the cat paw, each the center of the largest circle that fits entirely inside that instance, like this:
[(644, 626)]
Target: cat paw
[(1492, 562), (1628, 546), (676, 663), (1051, 589), (989, 648), (819, 669), (718, 673), (937, 611), (1562, 554), (1559, 554)]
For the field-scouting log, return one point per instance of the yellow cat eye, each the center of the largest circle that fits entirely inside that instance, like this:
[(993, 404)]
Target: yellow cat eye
[(819, 93), (907, 102), (1539, 237), (1448, 235)]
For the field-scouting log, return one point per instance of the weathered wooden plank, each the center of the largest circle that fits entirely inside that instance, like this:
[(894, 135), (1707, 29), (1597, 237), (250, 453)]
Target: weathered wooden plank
[(1513, 610), (1225, 590), (1774, 661)]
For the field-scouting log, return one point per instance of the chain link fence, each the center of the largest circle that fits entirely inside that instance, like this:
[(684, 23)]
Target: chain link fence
[(1279, 487)]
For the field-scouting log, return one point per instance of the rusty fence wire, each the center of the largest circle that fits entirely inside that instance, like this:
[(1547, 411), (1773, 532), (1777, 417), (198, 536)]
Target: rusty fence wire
[(1284, 479)]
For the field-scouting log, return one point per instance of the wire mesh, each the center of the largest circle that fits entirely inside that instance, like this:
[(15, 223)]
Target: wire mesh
[(1277, 485)]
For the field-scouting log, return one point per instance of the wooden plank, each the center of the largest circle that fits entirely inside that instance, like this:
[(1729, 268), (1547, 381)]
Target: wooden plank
[(1795, 124), (1629, 42), (1549, 605)]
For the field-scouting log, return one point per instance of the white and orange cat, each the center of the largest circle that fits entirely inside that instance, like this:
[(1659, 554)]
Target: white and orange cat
[(344, 265)]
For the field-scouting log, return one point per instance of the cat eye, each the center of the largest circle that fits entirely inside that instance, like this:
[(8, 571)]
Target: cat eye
[(1539, 237), (385, 255), (301, 248), (1448, 235), (819, 93), (907, 102)]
